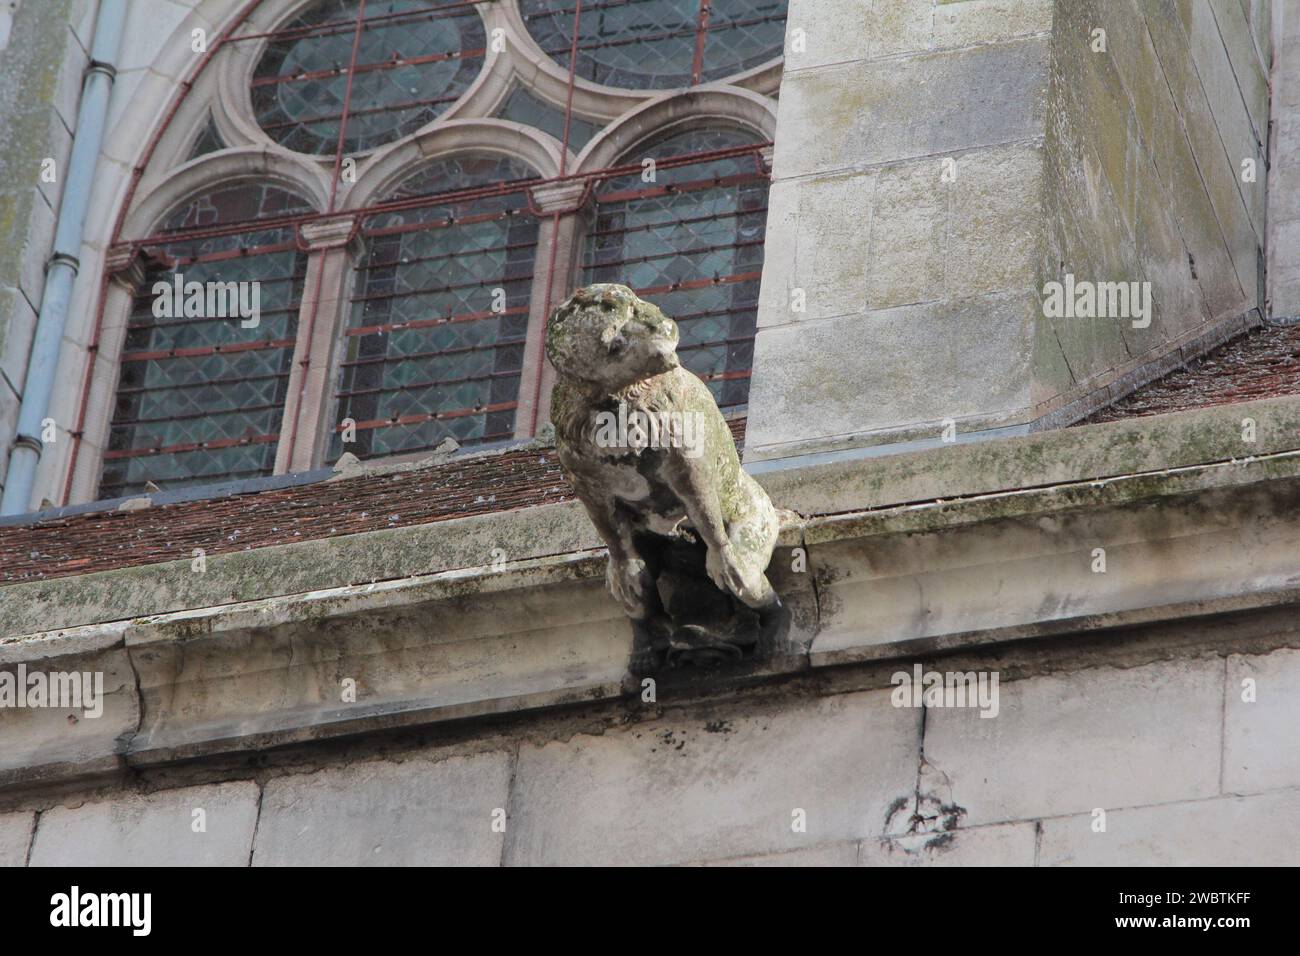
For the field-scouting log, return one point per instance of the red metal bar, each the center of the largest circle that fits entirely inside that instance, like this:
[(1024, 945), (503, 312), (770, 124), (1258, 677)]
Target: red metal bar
[(421, 417), (431, 384), (192, 446), (685, 221), (440, 353), (677, 252), (205, 413), (366, 68), (698, 283), (701, 31), (430, 323), (144, 389), (155, 356)]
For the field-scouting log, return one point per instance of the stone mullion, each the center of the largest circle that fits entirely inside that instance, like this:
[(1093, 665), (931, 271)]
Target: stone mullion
[(558, 231), (332, 249)]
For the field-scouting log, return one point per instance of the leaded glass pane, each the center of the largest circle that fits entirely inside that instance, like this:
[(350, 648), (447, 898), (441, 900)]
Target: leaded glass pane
[(522, 106), (200, 396), (693, 241), (435, 339), (413, 62), (658, 44)]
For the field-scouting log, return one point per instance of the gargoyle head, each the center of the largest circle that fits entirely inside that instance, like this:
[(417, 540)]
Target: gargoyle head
[(605, 335)]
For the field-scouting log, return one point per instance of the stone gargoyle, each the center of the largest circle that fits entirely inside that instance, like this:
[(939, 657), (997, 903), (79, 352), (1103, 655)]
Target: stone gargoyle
[(641, 439)]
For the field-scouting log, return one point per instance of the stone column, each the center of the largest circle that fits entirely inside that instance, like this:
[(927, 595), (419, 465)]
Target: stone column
[(126, 275), (333, 250), (559, 204)]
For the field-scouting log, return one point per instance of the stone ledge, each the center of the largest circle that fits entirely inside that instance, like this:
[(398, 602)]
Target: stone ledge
[(542, 632), (1085, 453)]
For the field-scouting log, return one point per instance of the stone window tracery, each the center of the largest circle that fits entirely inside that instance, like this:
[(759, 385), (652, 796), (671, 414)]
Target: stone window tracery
[(415, 184)]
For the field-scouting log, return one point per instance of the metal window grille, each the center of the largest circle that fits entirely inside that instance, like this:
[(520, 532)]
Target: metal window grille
[(199, 396), (435, 340), (429, 349)]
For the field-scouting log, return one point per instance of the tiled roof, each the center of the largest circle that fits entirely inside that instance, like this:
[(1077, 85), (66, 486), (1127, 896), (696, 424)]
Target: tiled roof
[(1262, 363), (103, 540)]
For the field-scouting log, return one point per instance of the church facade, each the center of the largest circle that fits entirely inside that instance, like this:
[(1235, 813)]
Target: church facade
[(998, 299)]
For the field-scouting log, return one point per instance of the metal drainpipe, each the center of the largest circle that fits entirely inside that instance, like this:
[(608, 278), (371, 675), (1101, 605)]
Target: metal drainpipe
[(61, 272)]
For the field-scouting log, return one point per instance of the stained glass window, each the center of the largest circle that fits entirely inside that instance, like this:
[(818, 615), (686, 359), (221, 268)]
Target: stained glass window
[(522, 106), (691, 240), (414, 59), (435, 340), (201, 393), (658, 44)]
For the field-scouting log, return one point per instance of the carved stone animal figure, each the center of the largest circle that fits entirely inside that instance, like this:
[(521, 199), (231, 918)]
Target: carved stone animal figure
[(652, 459)]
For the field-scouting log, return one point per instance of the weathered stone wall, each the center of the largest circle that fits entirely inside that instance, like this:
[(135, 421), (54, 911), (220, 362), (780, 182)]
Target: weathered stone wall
[(486, 693), (1152, 143), (1284, 196), (936, 164), (43, 54), (1186, 771), (894, 296)]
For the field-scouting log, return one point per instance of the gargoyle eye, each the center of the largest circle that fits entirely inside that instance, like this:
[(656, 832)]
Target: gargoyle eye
[(617, 345)]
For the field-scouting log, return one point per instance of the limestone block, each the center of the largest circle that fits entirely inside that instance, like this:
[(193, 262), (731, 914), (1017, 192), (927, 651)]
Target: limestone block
[(844, 853), (715, 785), (15, 837), (913, 365), (41, 736), (157, 829), (1227, 831), (1005, 845), (838, 30), (968, 22), (858, 114), (1073, 742), (1261, 748), (995, 232), (414, 813), (17, 327), (484, 644), (807, 219), (908, 228), (1232, 20)]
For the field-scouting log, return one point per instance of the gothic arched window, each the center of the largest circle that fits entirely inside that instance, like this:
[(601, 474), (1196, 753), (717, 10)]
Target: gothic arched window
[(202, 388), (412, 185), (692, 240), (435, 339)]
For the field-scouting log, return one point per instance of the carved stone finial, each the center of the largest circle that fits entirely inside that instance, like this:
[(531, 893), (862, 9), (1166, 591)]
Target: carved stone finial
[(690, 534)]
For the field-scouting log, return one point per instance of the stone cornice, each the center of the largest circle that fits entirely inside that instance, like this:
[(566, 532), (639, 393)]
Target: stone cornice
[(253, 653), (542, 632)]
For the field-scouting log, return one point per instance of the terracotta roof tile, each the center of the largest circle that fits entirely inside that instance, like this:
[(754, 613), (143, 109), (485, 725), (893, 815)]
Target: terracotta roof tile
[(1262, 363), (103, 540)]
